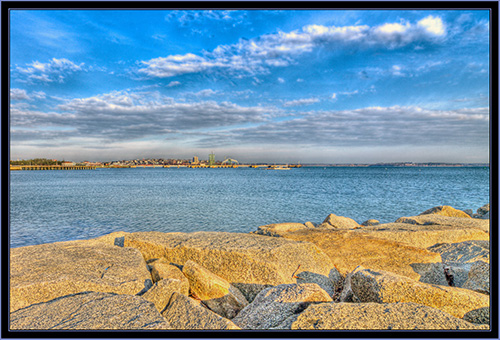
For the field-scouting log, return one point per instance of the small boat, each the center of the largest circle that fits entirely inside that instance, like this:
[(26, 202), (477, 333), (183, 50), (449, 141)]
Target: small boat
[(278, 167)]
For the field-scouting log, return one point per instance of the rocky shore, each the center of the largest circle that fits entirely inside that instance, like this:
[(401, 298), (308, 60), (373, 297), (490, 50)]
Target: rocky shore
[(425, 272)]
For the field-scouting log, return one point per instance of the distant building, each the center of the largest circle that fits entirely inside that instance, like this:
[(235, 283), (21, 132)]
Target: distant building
[(67, 163), (195, 160), (211, 159)]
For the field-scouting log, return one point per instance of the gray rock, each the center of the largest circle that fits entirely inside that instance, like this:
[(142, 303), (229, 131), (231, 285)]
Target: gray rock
[(185, 313), (216, 293), (478, 316), (463, 252), (484, 209), (44, 272), (384, 287), (249, 262), (162, 291), (468, 212), (378, 316), (330, 284), (273, 306), (89, 311), (479, 278), (333, 221)]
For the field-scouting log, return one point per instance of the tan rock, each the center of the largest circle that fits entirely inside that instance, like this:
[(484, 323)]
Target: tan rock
[(378, 316), (384, 287), (463, 252), (184, 313), (479, 278), (348, 249), (484, 225), (272, 306), (370, 222), (446, 210), (333, 221), (249, 262), (161, 269), (216, 293), (162, 291), (424, 236), (89, 311), (275, 228), (43, 272), (310, 225)]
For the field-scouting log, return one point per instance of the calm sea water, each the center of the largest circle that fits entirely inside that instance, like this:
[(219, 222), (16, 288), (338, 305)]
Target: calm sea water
[(50, 206)]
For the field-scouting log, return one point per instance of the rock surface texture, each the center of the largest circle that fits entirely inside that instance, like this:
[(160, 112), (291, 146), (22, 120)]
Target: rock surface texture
[(275, 228), (185, 313), (43, 272), (339, 222), (384, 287), (90, 311), (216, 293), (249, 262), (377, 316), (273, 306), (446, 210), (459, 222)]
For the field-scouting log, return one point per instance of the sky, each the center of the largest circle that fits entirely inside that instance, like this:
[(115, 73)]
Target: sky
[(308, 86)]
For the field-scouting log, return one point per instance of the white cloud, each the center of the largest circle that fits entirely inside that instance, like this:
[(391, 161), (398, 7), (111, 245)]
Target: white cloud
[(334, 96), (18, 94), (173, 83), (281, 49), (301, 102), (281, 80), (56, 70), (433, 25)]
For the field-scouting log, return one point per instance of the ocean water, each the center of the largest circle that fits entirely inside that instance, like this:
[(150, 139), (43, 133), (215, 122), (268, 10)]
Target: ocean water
[(50, 206)]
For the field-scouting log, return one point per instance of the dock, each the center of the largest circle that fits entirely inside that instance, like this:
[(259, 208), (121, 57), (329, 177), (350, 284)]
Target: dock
[(51, 167)]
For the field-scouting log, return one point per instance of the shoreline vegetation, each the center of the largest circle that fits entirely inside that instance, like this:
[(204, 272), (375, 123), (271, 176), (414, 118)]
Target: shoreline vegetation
[(424, 272)]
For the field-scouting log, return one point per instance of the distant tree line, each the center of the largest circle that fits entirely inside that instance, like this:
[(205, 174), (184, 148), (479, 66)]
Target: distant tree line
[(36, 161)]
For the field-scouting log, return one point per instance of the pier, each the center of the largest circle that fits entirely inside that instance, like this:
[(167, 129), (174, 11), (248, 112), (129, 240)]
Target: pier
[(51, 167)]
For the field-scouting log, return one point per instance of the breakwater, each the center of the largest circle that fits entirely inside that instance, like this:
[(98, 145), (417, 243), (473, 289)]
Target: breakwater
[(51, 167), (423, 272)]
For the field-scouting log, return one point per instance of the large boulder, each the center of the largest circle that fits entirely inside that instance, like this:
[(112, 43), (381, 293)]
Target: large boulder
[(458, 222), (424, 236), (161, 269), (384, 287), (276, 228), (247, 261), (348, 249), (378, 316), (478, 316), (479, 278), (162, 291), (333, 221), (44, 272), (216, 293), (370, 222), (446, 210), (185, 313), (90, 311), (272, 306)]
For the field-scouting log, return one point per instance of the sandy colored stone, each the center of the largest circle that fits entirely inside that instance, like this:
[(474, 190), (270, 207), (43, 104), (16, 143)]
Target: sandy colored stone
[(249, 262), (478, 316), (184, 313), (216, 293), (479, 278), (369, 223), (162, 291), (463, 252), (378, 316), (348, 249), (275, 228), (44, 272), (435, 219), (161, 269), (90, 311), (331, 284), (309, 225), (384, 287), (446, 210), (333, 221), (424, 236), (272, 306)]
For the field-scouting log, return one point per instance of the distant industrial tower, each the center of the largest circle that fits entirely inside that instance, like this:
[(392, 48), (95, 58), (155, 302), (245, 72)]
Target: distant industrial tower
[(195, 160), (211, 159)]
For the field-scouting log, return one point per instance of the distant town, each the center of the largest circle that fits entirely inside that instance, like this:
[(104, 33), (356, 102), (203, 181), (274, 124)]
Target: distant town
[(195, 162)]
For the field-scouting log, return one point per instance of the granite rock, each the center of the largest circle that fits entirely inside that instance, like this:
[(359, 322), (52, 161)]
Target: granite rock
[(479, 278), (446, 210), (273, 306), (478, 316), (275, 228), (378, 316), (434, 219), (90, 311), (162, 291), (333, 221)]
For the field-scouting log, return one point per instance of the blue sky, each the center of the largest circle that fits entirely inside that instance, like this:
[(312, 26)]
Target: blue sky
[(328, 86)]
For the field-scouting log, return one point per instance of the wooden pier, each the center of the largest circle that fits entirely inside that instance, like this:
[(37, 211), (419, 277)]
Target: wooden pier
[(51, 167)]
